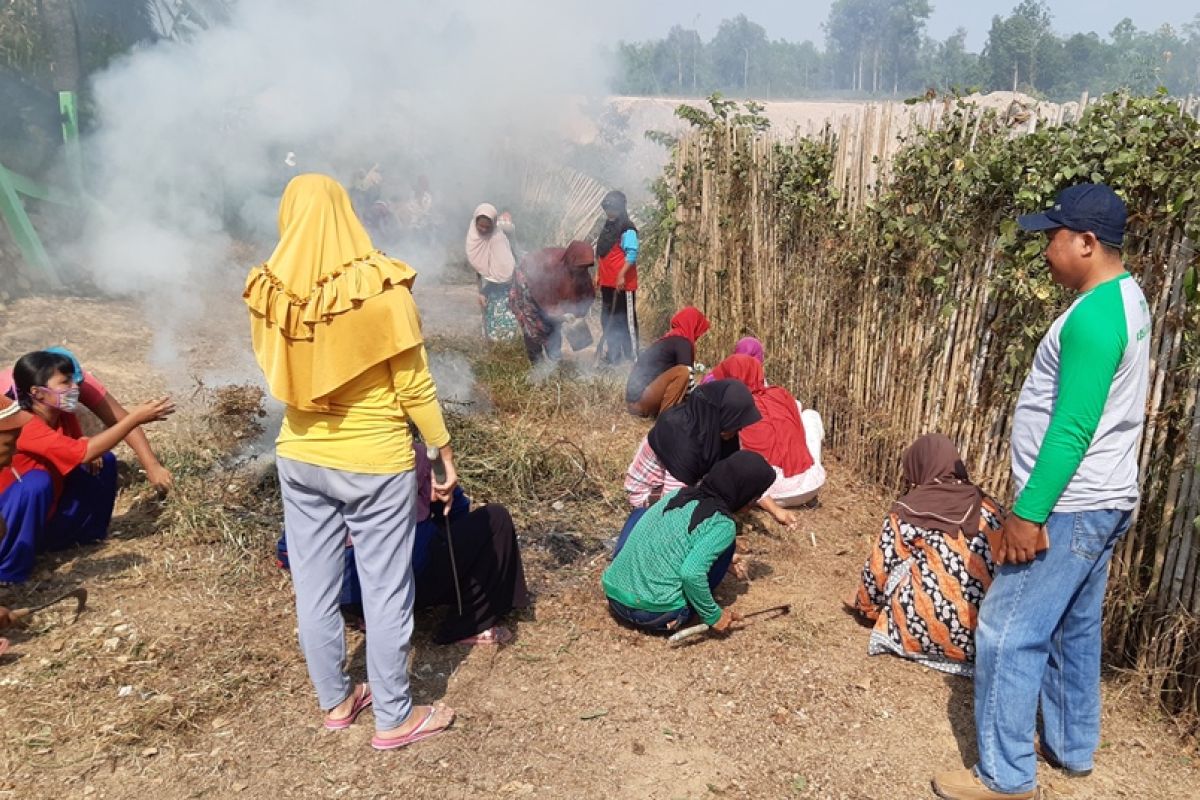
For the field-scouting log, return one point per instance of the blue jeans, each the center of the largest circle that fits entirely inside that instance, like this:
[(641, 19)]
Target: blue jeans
[(653, 621), (85, 507), (1039, 638)]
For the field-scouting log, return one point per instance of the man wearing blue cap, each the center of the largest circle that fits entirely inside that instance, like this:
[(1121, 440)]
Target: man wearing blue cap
[(1074, 447)]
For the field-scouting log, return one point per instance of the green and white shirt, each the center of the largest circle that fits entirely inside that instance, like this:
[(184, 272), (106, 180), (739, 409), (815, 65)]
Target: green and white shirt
[(1080, 414)]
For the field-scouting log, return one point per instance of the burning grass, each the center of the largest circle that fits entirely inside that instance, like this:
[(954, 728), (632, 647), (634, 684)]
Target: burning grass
[(530, 453)]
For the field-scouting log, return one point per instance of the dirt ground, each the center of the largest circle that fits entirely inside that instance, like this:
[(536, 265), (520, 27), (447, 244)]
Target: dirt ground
[(183, 678)]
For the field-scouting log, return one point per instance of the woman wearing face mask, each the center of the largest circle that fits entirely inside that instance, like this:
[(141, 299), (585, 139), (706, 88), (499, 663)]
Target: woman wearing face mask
[(82, 471)]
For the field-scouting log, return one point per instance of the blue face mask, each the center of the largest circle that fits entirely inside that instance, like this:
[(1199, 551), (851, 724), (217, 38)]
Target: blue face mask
[(65, 400)]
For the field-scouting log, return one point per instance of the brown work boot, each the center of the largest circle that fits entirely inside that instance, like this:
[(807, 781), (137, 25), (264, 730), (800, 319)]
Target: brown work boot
[(964, 784)]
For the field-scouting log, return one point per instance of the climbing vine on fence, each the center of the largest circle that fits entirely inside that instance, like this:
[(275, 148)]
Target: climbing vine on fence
[(918, 306)]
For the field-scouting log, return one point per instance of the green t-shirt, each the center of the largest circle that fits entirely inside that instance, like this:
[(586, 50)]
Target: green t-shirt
[(663, 567)]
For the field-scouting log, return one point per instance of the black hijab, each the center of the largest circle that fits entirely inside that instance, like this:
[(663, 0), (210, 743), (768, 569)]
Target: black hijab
[(687, 438), (610, 236), (730, 486)]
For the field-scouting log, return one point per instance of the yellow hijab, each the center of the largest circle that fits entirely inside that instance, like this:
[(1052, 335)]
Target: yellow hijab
[(327, 306)]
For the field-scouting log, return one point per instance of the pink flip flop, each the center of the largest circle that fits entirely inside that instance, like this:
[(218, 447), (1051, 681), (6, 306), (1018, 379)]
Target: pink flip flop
[(497, 634), (361, 701), (3, 646), (417, 734)]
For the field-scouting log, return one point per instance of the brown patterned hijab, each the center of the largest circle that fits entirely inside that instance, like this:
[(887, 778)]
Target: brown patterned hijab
[(941, 496)]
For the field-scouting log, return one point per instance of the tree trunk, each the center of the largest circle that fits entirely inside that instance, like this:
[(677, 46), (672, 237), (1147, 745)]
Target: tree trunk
[(746, 71), (58, 21), (1015, 74), (875, 72)]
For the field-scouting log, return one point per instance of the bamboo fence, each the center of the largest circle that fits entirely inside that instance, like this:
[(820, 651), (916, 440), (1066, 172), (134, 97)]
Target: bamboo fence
[(885, 359)]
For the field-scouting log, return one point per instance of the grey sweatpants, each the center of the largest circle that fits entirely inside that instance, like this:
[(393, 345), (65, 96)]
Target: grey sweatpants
[(320, 507)]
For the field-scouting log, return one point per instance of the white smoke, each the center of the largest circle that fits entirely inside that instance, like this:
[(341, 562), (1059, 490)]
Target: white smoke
[(193, 138)]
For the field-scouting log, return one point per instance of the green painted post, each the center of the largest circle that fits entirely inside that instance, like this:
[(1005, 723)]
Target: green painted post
[(70, 129), (23, 232)]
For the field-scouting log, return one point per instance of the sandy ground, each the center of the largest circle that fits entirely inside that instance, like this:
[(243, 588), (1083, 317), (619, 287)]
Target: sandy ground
[(183, 679)]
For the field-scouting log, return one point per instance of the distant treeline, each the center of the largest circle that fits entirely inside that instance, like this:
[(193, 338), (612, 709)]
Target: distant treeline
[(879, 47)]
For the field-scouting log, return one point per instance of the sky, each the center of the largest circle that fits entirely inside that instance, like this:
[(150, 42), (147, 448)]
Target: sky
[(798, 20)]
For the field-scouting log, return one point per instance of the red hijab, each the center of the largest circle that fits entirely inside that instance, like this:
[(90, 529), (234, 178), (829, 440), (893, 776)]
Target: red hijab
[(779, 437), (688, 323)]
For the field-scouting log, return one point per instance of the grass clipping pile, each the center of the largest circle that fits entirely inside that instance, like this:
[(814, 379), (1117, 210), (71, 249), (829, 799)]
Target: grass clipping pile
[(562, 484)]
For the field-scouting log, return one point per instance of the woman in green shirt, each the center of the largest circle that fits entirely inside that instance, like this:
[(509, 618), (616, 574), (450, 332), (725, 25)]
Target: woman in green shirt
[(681, 548)]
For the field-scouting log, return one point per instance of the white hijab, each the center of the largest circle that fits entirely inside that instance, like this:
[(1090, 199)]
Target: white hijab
[(491, 255)]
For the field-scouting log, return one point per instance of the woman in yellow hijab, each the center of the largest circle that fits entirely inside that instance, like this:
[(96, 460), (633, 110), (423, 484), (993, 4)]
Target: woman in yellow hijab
[(337, 335)]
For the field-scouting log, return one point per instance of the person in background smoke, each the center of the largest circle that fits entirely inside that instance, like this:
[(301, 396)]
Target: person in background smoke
[(549, 286), (108, 409), (491, 255), (418, 212), (52, 453), (337, 335), (486, 556), (617, 250), (665, 569), (662, 375), (788, 436), (370, 204)]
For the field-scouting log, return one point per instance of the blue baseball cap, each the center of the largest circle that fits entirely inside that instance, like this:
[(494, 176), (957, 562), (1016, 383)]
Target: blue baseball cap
[(1084, 208)]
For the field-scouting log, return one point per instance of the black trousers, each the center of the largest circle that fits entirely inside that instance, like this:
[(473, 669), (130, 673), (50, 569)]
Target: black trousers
[(489, 571), (618, 323)]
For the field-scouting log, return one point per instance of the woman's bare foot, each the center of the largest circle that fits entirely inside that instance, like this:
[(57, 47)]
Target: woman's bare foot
[(851, 601), (342, 715)]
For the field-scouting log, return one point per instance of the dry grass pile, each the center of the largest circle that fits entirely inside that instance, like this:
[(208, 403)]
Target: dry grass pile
[(530, 454)]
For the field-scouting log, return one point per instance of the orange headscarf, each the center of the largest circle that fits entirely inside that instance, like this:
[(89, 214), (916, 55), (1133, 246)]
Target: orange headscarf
[(779, 437), (327, 306)]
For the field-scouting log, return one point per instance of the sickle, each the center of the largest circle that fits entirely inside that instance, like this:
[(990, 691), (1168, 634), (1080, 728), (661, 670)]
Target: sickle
[(696, 630), (18, 616)]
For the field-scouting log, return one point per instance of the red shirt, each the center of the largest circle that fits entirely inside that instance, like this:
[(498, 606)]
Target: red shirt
[(610, 266), (55, 450)]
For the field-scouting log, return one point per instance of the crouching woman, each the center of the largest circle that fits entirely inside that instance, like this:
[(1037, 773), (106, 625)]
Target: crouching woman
[(681, 548)]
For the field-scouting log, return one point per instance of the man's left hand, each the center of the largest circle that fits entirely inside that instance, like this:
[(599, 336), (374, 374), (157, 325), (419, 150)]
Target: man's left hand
[(1021, 541)]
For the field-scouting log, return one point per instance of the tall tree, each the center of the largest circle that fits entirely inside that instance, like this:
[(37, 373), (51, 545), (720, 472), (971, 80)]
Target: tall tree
[(736, 49), (871, 39), (1013, 44), (948, 65), (852, 31), (62, 36), (904, 22), (684, 47)]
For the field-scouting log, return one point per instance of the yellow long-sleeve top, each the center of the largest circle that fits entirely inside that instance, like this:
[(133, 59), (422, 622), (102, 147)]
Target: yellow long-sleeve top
[(366, 428)]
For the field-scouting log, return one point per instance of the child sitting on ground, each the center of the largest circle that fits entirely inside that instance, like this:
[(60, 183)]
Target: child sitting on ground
[(82, 471)]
